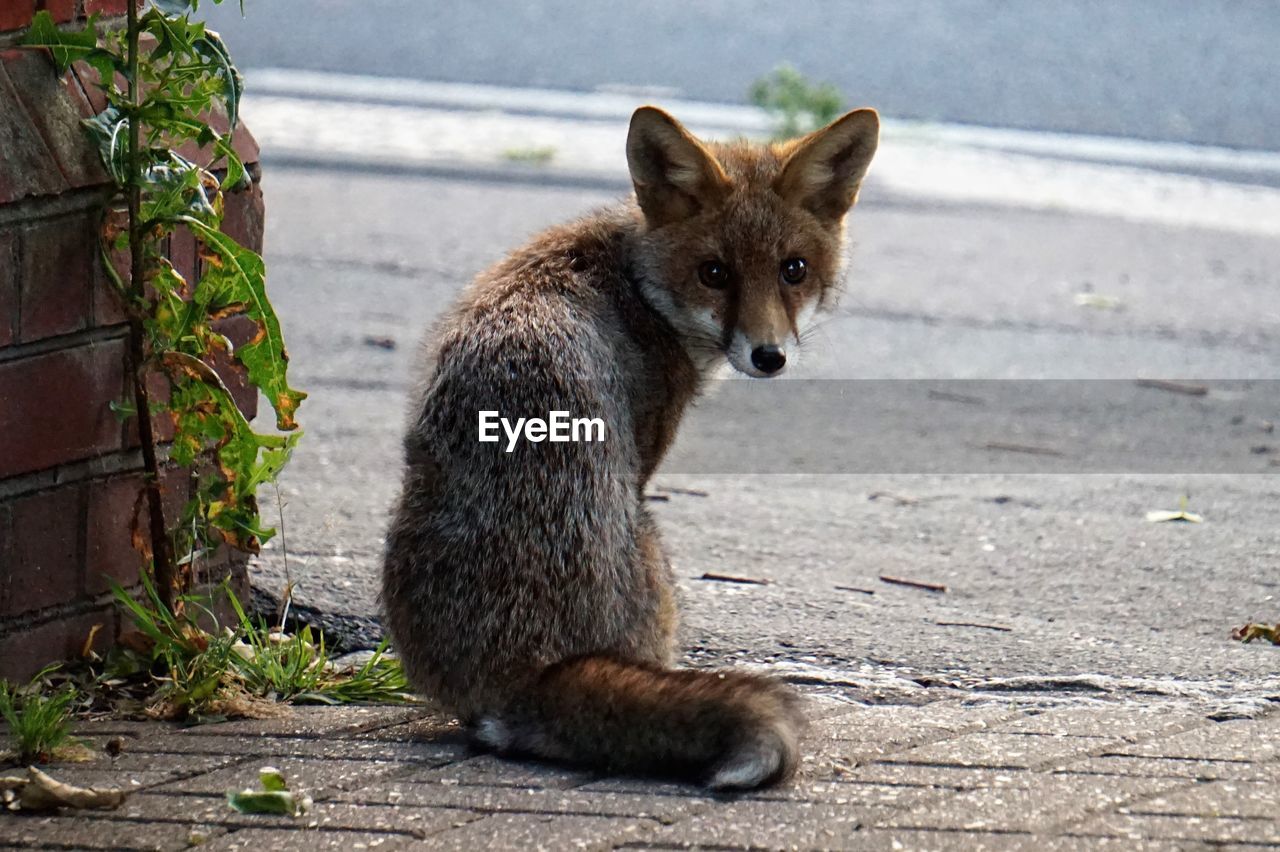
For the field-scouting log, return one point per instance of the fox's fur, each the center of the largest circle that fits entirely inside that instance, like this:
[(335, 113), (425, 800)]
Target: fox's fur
[(528, 591)]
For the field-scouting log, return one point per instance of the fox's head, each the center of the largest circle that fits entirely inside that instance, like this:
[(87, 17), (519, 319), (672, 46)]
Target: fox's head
[(742, 241)]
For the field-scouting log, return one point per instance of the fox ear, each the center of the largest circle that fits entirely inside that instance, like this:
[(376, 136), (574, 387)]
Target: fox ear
[(824, 170), (674, 174)]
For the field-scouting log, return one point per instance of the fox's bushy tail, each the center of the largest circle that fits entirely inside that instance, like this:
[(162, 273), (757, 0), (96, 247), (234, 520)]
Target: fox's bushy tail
[(726, 729)]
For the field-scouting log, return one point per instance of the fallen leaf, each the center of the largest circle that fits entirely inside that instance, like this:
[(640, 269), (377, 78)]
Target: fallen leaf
[(1182, 516), (1252, 632), (40, 792), (1098, 301), (273, 798)]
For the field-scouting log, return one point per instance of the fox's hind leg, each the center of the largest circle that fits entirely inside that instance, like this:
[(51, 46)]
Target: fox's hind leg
[(654, 640)]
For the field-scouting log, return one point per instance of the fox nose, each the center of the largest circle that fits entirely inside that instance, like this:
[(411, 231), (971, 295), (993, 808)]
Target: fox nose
[(768, 359)]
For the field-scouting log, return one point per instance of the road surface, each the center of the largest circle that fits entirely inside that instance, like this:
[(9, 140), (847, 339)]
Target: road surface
[(1200, 71)]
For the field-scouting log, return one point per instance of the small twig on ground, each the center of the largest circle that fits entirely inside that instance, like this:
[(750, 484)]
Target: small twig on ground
[(726, 578), (915, 584), (857, 589), (1005, 499), (1000, 627), (1185, 388), (951, 396), (1029, 449), (687, 492), (896, 499), (379, 342)]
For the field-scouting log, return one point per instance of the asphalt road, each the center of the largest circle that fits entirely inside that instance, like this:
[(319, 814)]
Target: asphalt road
[(1049, 572), (1199, 71)]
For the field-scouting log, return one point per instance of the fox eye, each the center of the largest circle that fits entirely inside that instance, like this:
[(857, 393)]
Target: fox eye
[(714, 274), (794, 269)]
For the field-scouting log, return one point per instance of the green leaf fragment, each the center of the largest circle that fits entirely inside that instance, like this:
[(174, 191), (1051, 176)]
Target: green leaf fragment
[(239, 275), (66, 46), (272, 779), (273, 798), (280, 802)]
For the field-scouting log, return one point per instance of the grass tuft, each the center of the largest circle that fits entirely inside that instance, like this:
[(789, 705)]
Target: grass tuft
[(244, 669), (38, 717)]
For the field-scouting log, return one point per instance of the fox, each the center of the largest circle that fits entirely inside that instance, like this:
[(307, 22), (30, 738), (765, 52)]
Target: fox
[(525, 587)]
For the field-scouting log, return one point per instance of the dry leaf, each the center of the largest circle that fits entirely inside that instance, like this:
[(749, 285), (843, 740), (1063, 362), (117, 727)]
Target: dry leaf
[(40, 792)]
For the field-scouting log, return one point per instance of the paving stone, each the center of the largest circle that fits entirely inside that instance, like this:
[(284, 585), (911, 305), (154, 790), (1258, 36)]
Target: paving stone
[(523, 800), (771, 825), (93, 832), (336, 748), (1116, 721), (312, 840), (126, 727), (1037, 804), (320, 721), (319, 778), (800, 790), (428, 728), (1000, 751), (875, 840), (1241, 739), (818, 708), (128, 762), (907, 724), (955, 777), (542, 831), (1101, 777), (487, 769), (1252, 799), (213, 810), (131, 772), (1216, 830), (1174, 767)]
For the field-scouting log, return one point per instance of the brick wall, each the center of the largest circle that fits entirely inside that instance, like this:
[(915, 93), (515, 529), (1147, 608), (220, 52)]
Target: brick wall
[(70, 470)]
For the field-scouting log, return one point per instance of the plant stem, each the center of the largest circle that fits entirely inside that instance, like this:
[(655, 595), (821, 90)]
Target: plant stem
[(161, 555)]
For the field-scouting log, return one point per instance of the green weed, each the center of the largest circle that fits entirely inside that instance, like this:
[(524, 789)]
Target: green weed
[(38, 717), (796, 105), (243, 669), (539, 156)]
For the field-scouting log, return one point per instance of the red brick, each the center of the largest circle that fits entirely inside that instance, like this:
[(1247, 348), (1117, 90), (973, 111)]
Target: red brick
[(183, 255), (109, 551), (8, 287), (42, 556), (244, 217), (57, 275), (27, 167), (161, 423), (16, 14), (91, 85), (54, 408), (61, 10), (108, 304), (55, 106), (24, 652), (106, 7), (239, 330), (245, 146)]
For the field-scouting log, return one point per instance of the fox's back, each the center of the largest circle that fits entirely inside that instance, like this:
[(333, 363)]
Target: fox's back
[(530, 547)]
